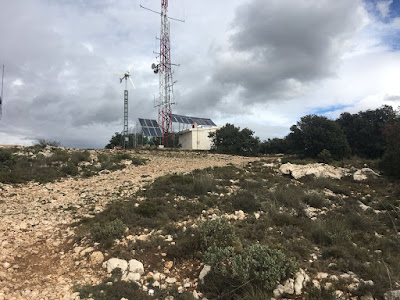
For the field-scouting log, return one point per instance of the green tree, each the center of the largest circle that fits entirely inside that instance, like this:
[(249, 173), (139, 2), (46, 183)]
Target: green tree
[(364, 130), (313, 134), (390, 162), (274, 146), (114, 141), (231, 140)]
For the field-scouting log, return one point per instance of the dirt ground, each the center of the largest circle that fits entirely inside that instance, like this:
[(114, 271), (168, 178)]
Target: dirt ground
[(38, 258)]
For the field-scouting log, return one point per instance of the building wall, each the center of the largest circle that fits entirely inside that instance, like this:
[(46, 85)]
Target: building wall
[(196, 138)]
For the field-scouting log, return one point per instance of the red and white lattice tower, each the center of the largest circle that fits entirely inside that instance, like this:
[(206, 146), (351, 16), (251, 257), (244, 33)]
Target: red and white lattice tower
[(166, 84)]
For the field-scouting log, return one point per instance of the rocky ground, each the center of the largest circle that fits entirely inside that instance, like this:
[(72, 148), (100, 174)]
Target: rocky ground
[(38, 258)]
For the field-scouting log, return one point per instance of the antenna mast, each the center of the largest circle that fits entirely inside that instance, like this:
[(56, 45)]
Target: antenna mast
[(1, 95), (165, 77)]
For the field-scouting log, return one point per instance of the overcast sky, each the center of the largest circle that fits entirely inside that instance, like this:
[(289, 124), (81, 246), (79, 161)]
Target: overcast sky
[(260, 64)]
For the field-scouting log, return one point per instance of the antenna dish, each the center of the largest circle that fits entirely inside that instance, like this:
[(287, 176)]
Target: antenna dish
[(153, 66)]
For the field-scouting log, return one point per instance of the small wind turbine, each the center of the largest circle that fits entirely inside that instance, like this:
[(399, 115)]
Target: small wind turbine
[(125, 133)]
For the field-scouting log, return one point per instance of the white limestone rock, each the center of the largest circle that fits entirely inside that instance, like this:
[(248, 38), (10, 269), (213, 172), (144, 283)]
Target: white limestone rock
[(364, 174), (301, 278), (136, 266), (131, 277), (318, 170), (203, 273), (114, 263)]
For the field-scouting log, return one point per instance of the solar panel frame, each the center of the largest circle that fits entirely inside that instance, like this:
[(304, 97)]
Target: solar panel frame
[(191, 120), (150, 128)]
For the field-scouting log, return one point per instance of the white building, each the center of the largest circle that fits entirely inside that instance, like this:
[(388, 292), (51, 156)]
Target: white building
[(197, 138)]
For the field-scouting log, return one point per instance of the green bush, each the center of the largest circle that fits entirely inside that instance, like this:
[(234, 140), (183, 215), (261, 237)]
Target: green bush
[(147, 209), (258, 265), (105, 233), (6, 157), (314, 199), (217, 233), (70, 169), (137, 161), (245, 201), (79, 156), (203, 183), (390, 163), (325, 156)]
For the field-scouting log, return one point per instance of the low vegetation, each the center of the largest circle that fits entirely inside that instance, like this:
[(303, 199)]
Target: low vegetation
[(44, 163), (317, 224)]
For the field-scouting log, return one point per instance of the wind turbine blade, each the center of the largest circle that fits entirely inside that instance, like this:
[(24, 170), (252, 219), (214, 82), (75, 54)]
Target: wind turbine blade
[(119, 73), (130, 69), (132, 82)]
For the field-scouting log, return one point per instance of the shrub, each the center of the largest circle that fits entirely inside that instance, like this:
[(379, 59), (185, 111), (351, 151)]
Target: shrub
[(288, 196), (217, 233), (258, 266), (203, 183), (147, 209), (43, 143), (137, 161), (105, 233), (70, 169), (314, 199), (79, 156), (245, 201), (390, 163), (325, 156)]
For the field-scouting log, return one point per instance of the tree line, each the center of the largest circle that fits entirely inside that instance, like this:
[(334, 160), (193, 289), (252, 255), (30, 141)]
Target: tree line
[(370, 134)]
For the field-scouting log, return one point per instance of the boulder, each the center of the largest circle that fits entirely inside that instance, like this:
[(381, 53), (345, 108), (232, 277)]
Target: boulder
[(136, 266), (286, 288), (364, 174), (114, 263), (317, 170), (301, 278)]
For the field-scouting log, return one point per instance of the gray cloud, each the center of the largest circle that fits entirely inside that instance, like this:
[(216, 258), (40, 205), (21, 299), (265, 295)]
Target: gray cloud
[(60, 55), (276, 49)]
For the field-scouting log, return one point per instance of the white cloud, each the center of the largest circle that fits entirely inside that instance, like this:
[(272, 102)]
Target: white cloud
[(384, 7)]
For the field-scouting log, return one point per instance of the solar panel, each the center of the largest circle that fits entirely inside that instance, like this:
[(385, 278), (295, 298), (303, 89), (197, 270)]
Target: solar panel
[(191, 120), (142, 123), (146, 131), (150, 128), (158, 131)]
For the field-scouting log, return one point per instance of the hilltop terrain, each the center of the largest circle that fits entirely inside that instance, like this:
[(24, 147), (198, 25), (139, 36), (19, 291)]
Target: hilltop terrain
[(104, 224)]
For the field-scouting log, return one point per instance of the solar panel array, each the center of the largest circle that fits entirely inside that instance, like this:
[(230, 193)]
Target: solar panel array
[(191, 120), (150, 128)]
